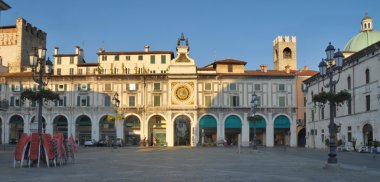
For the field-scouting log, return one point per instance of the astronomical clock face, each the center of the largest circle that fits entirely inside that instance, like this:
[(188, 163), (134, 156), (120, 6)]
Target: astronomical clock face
[(182, 93)]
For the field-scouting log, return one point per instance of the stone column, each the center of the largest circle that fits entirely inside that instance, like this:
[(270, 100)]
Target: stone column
[(169, 130), (245, 131), (220, 127), (119, 129), (293, 132), (270, 131), (195, 130), (6, 130), (95, 130)]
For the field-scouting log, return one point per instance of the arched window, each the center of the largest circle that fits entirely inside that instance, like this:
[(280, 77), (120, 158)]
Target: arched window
[(287, 53), (348, 82), (367, 75), (369, 25), (365, 26)]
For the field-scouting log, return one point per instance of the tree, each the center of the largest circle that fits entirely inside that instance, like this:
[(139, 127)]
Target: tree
[(44, 94)]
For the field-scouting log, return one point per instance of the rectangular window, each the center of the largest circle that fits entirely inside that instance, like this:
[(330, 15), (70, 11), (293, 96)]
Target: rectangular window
[(257, 87), (157, 101), (349, 134), (107, 87), (208, 101), (71, 71), (258, 101), (230, 68), (58, 71), (349, 107), (234, 101), (132, 101), (132, 87), (71, 60), (107, 100), (83, 100), (15, 101), (127, 58), (323, 136), (281, 87), (281, 101), (368, 102), (304, 101), (117, 58), (140, 58), (80, 71), (59, 60), (157, 86), (208, 86), (61, 102), (163, 59), (322, 113), (152, 59), (104, 58), (232, 86)]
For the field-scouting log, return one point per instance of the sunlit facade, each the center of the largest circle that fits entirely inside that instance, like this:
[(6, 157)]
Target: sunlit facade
[(161, 97)]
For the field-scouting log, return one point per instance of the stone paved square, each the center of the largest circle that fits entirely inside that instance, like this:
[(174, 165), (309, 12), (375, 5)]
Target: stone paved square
[(198, 164)]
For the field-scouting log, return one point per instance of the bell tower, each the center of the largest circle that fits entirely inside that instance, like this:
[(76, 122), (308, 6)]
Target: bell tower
[(285, 53)]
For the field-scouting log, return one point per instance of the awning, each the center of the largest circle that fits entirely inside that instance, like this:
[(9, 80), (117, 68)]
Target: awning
[(282, 122), (260, 123), (207, 121), (233, 122)]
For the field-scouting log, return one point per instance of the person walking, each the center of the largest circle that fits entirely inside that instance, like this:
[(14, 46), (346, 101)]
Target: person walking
[(373, 152)]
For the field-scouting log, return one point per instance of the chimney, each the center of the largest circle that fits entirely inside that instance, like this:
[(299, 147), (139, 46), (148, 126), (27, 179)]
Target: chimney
[(306, 68), (101, 50), (287, 69), (146, 48), (264, 68), (77, 49), (56, 50)]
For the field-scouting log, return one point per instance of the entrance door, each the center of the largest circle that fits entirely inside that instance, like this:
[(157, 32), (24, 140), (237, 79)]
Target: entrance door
[(232, 127), (301, 138), (182, 131), (367, 135), (281, 131), (157, 131)]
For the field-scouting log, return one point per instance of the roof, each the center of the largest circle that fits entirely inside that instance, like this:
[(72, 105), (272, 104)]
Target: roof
[(65, 55), (362, 40), (305, 72), (135, 52), (230, 61), (18, 74), (4, 6), (88, 64)]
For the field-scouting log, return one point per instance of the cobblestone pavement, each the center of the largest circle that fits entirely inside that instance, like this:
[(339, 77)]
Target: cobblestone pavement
[(198, 164)]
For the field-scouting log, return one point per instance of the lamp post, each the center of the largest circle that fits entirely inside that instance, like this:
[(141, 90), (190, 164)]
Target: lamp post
[(116, 99), (254, 103), (332, 58), (41, 69)]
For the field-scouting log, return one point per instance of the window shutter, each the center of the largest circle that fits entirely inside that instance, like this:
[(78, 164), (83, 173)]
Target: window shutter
[(88, 87), (13, 87), (127, 86), (137, 86), (12, 100), (65, 87), (78, 100), (56, 87), (88, 100), (21, 87), (56, 103)]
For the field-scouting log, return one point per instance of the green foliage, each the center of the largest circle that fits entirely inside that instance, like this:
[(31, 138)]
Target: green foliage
[(340, 142), (327, 142), (336, 98), (31, 95)]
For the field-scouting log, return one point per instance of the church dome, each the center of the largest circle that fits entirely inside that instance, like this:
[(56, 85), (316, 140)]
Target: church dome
[(365, 38)]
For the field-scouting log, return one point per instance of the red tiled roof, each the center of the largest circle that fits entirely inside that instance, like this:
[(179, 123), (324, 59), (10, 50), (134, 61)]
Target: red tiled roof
[(206, 69), (18, 74), (306, 72)]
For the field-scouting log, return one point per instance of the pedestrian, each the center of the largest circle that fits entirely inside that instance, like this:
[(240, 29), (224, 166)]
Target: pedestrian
[(373, 152)]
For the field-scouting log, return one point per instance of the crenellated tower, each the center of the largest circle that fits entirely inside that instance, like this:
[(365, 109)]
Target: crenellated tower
[(285, 53)]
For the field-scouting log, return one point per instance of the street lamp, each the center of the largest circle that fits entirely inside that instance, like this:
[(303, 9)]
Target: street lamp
[(338, 58), (116, 99), (254, 104), (40, 68)]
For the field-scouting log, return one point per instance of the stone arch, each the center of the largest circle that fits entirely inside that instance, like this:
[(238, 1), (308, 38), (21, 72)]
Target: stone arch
[(287, 53), (61, 125), (34, 124), (155, 114), (260, 127), (231, 132), (16, 127), (83, 128), (132, 129), (157, 124), (107, 127), (367, 131), (207, 132), (182, 129), (301, 138), (281, 125)]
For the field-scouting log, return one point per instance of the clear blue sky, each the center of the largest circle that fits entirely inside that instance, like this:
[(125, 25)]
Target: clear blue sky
[(216, 29)]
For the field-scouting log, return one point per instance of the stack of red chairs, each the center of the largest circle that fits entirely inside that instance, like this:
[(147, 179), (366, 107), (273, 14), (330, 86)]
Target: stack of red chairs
[(20, 149), (48, 146)]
